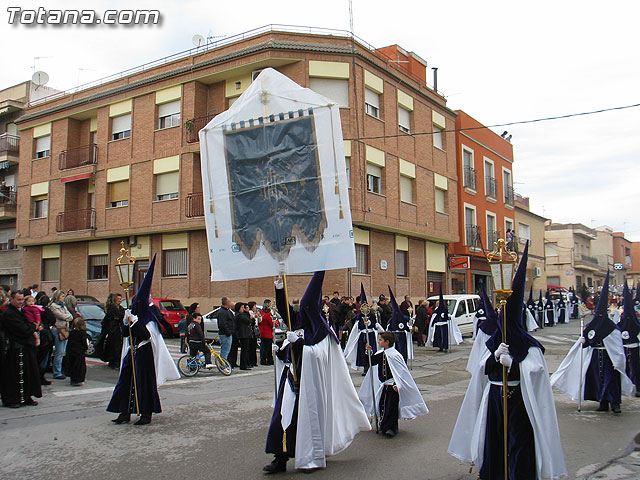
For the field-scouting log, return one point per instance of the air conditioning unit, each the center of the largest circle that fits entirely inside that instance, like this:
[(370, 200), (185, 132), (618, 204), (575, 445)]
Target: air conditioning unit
[(255, 74), (537, 272)]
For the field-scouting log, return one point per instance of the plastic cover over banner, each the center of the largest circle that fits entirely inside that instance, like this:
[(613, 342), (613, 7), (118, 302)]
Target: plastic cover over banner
[(274, 181)]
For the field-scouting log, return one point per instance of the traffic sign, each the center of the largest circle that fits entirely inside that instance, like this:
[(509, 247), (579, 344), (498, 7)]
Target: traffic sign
[(618, 266)]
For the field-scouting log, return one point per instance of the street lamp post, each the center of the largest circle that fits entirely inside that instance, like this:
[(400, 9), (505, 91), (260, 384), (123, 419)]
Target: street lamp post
[(502, 263), (125, 264)]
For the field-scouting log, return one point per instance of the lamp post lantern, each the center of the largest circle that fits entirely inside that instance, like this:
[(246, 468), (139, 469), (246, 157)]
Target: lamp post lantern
[(502, 263), (125, 264)]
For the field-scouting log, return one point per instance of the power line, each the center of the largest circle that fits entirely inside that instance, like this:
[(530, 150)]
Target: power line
[(521, 122)]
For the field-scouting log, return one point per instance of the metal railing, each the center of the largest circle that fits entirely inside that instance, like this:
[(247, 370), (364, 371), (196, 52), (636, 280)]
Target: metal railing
[(74, 220), (8, 196), (508, 195), (9, 143), (212, 44), (194, 206), (471, 233), (490, 186), (78, 157), (194, 125), (586, 259), (492, 237), (469, 177)]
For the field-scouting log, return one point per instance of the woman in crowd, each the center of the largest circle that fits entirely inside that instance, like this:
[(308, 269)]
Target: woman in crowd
[(255, 333), (60, 331), (266, 334), (45, 349), (111, 328)]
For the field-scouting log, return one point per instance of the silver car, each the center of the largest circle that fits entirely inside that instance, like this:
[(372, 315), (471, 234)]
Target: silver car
[(211, 326)]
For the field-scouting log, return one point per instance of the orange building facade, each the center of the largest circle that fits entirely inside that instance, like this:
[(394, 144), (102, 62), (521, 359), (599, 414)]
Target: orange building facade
[(484, 163)]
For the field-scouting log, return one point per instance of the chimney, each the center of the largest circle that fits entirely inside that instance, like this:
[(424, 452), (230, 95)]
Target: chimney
[(435, 79)]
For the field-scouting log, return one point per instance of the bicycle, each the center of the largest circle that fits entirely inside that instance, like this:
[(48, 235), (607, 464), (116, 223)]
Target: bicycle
[(189, 365)]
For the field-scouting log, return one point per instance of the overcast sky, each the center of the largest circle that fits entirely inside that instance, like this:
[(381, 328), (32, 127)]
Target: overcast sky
[(499, 61)]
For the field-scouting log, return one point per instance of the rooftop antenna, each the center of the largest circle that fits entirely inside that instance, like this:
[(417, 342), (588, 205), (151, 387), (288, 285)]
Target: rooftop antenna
[(211, 37), (198, 40), (40, 78), (351, 17), (34, 62), (80, 69)]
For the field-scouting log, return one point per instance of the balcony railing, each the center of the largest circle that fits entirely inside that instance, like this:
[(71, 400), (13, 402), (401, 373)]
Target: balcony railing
[(492, 237), (74, 220), (7, 196), (490, 186), (470, 178), (471, 233), (194, 206), (508, 195), (9, 143), (194, 125), (586, 259), (78, 157)]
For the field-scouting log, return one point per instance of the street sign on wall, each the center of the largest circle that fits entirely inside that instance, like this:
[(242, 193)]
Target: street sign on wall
[(459, 263), (618, 266)]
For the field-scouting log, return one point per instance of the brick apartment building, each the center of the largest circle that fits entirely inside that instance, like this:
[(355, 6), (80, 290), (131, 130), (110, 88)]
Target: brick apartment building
[(124, 164), (530, 226), (485, 200)]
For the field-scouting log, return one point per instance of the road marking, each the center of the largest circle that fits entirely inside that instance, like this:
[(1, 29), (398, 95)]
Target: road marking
[(86, 391)]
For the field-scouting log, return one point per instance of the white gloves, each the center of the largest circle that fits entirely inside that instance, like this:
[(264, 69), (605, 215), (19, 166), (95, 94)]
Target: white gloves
[(506, 360), (294, 336), (129, 318), (582, 340), (501, 350), (279, 283), (379, 327), (275, 348)]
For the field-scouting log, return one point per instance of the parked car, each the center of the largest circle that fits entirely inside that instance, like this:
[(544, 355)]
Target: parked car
[(92, 313), (170, 308), (211, 326), (462, 308), (87, 299)]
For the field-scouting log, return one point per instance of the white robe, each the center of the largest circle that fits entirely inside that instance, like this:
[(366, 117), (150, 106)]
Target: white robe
[(455, 335), (165, 366), (329, 412), (351, 348), (567, 377), (411, 403), (532, 325), (467, 439), (478, 350)]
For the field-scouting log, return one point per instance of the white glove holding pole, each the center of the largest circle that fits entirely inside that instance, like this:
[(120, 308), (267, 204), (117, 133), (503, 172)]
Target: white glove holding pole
[(501, 350), (506, 360), (129, 318), (275, 348), (279, 283), (582, 340), (379, 327), (293, 337)]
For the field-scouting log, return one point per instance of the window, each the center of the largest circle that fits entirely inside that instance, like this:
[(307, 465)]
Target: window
[(121, 127), (169, 114), (40, 206), (438, 140), (489, 179), (174, 262), (119, 194), (347, 161), (7, 239), (374, 178), (508, 188), (362, 259), (43, 146), (336, 89), (404, 120), (98, 267), (492, 234), (402, 263), (50, 269), (440, 201), (167, 186), (470, 227), (461, 309), (406, 189), (371, 103), (469, 172)]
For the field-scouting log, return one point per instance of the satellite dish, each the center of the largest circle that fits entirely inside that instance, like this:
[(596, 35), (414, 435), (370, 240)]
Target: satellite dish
[(40, 78), (198, 40)]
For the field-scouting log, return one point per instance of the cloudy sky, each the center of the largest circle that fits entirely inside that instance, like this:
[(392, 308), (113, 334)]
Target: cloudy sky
[(497, 60)]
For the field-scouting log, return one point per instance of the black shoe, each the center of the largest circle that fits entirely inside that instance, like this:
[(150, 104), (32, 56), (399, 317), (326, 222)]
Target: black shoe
[(44, 381), (390, 433), (144, 420), (31, 403), (12, 405), (59, 377), (246, 368), (638, 393), (278, 465), (122, 418), (603, 407), (615, 408)]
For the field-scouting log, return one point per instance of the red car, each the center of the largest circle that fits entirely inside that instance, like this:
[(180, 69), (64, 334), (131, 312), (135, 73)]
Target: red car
[(171, 309)]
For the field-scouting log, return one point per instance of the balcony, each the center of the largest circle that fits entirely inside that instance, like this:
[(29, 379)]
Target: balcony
[(9, 146), (472, 236), (78, 157), (194, 206), (490, 187), (194, 125), (508, 196), (8, 207), (75, 220), (492, 237), (585, 261), (469, 178)]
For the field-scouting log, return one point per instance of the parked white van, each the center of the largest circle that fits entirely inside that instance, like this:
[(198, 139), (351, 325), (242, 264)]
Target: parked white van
[(462, 308)]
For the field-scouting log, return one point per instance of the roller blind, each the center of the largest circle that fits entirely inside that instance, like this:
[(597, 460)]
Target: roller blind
[(119, 191), (121, 124), (372, 98), (167, 183), (170, 108), (43, 143), (404, 118), (333, 88), (374, 170)]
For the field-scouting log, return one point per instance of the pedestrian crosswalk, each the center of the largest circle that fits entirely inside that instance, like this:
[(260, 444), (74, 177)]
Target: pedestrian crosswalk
[(557, 339)]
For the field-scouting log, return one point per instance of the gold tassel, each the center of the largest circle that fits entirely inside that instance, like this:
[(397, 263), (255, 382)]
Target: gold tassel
[(471, 467), (284, 442)]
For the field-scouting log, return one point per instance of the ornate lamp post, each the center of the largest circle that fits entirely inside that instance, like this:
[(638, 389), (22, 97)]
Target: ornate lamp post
[(125, 264), (503, 263)]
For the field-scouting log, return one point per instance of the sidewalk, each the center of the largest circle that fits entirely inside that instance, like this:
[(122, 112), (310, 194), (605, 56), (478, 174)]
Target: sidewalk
[(625, 467)]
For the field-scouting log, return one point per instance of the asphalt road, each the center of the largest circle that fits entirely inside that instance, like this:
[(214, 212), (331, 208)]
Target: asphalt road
[(214, 427)]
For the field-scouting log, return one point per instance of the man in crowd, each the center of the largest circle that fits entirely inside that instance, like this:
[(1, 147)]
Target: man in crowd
[(386, 312), (405, 306), (226, 326)]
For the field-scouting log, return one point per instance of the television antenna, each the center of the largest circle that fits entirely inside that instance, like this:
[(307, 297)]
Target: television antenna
[(34, 62), (40, 78)]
